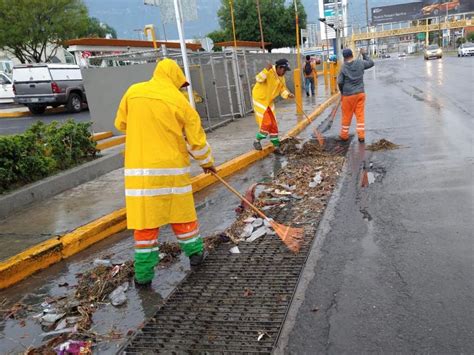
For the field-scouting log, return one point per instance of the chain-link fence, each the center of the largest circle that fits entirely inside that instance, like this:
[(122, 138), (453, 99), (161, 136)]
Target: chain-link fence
[(222, 81)]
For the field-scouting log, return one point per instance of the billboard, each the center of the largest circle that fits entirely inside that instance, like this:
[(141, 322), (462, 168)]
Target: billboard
[(418, 10), (396, 13), (434, 8)]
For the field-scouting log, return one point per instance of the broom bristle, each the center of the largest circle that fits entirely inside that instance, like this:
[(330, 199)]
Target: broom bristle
[(291, 237), (319, 137), (365, 179)]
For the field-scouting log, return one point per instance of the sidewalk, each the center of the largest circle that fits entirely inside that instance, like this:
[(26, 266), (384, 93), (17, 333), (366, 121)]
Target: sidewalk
[(83, 204)]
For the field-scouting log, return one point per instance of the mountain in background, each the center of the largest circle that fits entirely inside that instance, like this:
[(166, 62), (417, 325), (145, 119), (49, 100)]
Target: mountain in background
[(130, 16)]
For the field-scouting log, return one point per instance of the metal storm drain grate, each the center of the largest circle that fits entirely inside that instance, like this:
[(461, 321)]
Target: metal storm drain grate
[(233, 303)]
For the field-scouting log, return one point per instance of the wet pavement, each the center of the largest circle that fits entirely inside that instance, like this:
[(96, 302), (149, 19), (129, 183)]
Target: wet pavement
[(216, 211), (71, 209), (392, 269), (20, 124), (215, 207)]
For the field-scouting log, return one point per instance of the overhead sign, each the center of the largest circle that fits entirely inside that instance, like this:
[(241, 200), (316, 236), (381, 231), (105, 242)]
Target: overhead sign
[(396, 13), (167, 10), (334, 11)]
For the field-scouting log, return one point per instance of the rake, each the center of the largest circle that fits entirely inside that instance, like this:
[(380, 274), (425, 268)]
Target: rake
[(290, 236)]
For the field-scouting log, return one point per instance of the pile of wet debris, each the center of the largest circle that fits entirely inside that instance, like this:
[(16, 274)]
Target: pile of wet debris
[(303, 185), (382, 144), (66, 321)]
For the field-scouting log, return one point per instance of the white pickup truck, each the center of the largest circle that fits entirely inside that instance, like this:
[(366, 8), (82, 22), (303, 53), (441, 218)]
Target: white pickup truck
[(6, 89)]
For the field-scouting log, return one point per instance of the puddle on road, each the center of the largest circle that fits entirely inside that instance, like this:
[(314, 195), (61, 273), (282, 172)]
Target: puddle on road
[(368, 243)]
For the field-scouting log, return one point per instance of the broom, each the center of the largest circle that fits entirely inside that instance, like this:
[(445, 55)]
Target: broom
[(318, 135), (290, 236)]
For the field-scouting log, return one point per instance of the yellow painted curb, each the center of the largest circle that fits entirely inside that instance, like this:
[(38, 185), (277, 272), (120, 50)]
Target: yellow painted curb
[(101, 135), (54, 250), (28, 113), (111, 143)]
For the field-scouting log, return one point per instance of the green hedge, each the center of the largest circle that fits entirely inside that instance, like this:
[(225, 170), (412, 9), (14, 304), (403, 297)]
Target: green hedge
[(43, 150)]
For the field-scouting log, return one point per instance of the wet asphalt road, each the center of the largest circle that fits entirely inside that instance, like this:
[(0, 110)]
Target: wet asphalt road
[(20, 124), (393, 266)]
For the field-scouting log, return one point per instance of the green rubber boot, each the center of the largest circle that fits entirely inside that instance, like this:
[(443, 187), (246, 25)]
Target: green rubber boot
[(145, 262)]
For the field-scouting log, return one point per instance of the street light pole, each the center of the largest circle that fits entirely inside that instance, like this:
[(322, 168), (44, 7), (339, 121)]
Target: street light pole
[(233, 23), (179, 23), (261, 28)]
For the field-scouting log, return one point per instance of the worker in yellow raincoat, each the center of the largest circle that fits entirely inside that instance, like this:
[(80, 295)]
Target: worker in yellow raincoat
[(162, 131), (270, 83)]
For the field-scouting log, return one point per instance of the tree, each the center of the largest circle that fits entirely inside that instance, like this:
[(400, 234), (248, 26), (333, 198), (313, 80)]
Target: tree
[(470, 37), (97, 29), (278, 22), (29, 27)]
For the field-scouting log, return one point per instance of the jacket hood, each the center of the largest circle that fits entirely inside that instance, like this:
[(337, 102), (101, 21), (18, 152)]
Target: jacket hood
[(167, 79), (169, 70)]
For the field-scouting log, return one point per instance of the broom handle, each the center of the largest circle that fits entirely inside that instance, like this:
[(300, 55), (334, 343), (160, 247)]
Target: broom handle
[(296, 102), (260, 213)]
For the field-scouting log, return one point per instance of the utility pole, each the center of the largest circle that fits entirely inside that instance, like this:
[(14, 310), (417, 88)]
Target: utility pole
[(337, 28), (233, 23), (179, 23), (367, 12), (261, 28), (368, 22)]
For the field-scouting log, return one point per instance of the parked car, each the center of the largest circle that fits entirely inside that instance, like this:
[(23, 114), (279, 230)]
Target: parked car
[(440, 7), (38, 86), (6, 89), (466, 49), (433, 51)]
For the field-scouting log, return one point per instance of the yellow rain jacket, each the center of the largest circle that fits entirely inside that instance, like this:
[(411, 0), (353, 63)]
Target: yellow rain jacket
[(162, 130), (269, 85)]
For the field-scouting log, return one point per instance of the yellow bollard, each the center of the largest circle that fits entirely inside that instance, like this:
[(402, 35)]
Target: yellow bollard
[(325, 73), (332, 77), (315, 78), (298, 91)]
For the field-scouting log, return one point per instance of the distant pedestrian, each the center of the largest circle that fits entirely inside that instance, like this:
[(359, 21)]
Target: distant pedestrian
[(309, 72), (162, 131), (270, 84), (351, 85)]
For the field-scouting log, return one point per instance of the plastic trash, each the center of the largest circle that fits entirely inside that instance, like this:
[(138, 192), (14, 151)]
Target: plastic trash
[(104, 262), (257, 223), (234, 250), (61, 331), (74, 347), (257, 234), (118, 297), (51, 318)]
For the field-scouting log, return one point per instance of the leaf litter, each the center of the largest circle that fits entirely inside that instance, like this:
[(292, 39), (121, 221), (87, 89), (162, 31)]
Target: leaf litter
[(290, 188), (382, 144)]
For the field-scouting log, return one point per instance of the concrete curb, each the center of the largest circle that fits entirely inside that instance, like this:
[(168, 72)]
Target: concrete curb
[(54, 250), (19, 114), (58, 183)]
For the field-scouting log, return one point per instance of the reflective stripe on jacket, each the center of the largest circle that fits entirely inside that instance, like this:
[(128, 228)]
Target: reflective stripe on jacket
[(268, 86)]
